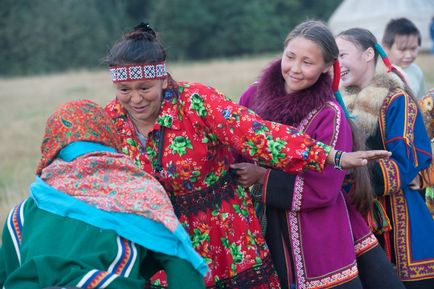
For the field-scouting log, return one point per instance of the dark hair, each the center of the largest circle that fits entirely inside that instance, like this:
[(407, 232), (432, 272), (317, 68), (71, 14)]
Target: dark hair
[(361, 193), (141, 45), (362, 38), (399, 26), (319, 33)]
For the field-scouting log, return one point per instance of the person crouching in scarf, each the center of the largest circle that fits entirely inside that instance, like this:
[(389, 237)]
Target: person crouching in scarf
[(93, 219)]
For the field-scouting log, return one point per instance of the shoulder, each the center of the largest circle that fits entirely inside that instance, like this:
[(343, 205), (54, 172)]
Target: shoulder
[(187, 87), (113, 108), (330, 109), (15, 220), (400, 100), (414, 69), (331, 113), (329, 125), (248, 94), (195, 91)]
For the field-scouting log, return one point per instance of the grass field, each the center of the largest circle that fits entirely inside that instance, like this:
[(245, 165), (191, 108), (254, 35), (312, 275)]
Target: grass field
[(27, 102)]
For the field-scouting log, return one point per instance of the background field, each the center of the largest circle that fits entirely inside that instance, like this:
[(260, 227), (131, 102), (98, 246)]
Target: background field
[(27, 102)]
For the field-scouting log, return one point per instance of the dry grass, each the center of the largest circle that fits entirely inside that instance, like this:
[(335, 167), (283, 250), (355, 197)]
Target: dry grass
[(27, 102)]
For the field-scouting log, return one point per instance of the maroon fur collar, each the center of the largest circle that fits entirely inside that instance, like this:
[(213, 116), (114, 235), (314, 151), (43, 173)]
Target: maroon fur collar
[(273, 103)]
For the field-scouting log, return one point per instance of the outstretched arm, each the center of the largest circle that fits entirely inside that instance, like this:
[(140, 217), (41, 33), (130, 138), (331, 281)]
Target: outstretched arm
[(357, 159)]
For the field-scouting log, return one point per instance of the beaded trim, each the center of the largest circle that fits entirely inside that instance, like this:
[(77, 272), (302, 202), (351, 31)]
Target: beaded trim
[(253, 277), (138, 72), (338, 159), (203, 200)]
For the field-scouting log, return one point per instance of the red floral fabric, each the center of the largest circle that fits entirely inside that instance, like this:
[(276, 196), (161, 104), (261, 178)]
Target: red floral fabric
[(201, 126)]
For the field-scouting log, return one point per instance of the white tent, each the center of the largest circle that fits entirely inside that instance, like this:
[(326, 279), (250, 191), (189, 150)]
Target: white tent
[(374, 15)]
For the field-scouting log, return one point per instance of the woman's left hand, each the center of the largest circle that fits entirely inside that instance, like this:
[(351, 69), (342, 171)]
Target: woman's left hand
[(358, 158), (249, 174)]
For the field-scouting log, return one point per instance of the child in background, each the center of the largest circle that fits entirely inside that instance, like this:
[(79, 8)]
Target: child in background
[(402, 40)]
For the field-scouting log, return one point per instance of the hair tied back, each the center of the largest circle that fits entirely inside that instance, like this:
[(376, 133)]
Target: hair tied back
[(386, 61), (335, 87), (142, 31), (145, 27)]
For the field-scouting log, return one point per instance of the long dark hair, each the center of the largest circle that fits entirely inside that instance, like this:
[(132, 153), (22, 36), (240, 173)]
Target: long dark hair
[(317, 32), (364, 39), (362, 191)]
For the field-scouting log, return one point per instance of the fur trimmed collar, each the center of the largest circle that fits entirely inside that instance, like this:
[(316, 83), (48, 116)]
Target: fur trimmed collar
[(365, 104), (272, 103)]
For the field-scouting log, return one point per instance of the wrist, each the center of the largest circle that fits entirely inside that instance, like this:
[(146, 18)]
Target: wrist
[(331, 157), (263, 174), (338, 159)]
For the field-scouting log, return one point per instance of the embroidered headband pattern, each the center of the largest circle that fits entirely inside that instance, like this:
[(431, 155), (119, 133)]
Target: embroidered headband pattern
[(138, 72)]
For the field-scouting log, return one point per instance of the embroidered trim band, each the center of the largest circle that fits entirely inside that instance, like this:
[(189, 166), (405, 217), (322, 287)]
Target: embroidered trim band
[(250, 278), (138, 72), (203, 200)]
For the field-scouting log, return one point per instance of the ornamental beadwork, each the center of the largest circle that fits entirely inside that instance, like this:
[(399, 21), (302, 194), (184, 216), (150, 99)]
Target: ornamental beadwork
[(138, 72)]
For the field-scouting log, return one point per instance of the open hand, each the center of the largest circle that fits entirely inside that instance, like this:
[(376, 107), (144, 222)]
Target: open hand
[(358, 158)]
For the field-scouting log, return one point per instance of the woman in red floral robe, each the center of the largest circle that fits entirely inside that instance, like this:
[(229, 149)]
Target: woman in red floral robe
[(182, 133)]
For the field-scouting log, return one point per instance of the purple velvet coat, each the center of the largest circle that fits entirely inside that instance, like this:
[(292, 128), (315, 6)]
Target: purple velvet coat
[(312, 229)]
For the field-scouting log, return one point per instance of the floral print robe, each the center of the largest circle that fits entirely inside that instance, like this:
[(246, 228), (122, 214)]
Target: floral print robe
[(201, 126)]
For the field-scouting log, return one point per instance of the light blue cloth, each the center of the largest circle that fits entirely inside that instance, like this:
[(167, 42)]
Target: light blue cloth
[(146, 232), (79, 148), (415, 80), (143, 231)]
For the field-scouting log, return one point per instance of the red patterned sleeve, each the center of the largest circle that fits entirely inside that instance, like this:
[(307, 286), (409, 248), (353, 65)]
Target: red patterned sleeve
[(269, 143)]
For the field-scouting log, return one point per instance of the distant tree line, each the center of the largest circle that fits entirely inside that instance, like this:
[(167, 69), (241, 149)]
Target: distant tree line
[(45, 36)]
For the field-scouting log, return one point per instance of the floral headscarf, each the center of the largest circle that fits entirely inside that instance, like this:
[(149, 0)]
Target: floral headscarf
[(104, 179), (79, 160), (80, 120)]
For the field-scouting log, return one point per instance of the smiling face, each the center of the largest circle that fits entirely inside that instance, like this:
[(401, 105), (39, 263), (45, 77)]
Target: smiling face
[(357, 65), (141, 99), (302, 64), (404, 50)]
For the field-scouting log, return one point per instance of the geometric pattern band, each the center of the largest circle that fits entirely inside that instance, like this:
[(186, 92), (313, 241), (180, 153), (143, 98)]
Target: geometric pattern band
[(138, 72)]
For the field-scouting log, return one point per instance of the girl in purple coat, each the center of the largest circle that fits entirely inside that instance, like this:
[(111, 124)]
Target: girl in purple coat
[(316, 235)]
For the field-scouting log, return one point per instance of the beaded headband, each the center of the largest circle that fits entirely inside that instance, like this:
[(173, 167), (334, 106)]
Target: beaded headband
[(138, 72)]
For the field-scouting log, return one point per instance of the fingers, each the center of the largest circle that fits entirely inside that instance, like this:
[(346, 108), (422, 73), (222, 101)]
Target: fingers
[(376, 154), (241, 165), (237, 166), (361, 158), (244, 181)]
